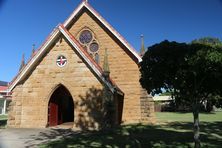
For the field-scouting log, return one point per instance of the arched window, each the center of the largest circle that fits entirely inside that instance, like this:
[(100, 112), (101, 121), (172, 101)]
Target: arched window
[(88, 40)]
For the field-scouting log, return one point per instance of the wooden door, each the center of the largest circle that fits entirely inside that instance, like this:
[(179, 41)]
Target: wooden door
[(53, 114)]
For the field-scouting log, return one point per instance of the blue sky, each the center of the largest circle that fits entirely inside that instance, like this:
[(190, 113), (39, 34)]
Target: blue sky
[(27, 22)]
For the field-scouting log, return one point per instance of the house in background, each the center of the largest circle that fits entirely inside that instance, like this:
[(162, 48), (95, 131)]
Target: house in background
[(162, 103), (4, 97)]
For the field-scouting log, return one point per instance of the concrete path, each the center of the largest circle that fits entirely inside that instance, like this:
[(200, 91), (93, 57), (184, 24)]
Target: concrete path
[(29, 138)]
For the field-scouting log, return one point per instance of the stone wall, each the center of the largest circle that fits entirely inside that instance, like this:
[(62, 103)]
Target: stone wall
[(29, 107), (147, 107), (123, 70), (15, 108)]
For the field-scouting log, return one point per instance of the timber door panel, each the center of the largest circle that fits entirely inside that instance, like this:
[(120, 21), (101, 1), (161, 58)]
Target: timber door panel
[(53, 114)]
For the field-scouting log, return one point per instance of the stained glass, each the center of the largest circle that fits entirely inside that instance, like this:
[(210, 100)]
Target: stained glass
[(85, 37)]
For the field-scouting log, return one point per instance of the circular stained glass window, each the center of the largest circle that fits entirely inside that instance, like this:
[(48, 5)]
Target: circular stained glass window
[(94, 47), (85, 37)]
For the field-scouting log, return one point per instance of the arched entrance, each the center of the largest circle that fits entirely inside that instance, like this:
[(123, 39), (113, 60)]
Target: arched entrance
[(60, 107)]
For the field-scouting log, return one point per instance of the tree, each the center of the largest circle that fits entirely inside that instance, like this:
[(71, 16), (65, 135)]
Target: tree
[(214, 42), (191, 72)]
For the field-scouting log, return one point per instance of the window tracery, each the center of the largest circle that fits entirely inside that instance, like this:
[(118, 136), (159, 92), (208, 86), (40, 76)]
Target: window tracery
[(89, 42)]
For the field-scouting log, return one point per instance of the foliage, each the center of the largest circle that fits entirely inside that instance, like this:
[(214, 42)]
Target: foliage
[(185, 70), (215, 100), (192, 72), (158, 66), (209, 41)]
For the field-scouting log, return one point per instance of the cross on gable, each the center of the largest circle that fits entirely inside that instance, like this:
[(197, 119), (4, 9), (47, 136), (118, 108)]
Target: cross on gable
[(61, 61)]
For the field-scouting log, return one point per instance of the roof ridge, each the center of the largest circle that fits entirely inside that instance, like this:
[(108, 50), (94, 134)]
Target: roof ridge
[(107, 25)]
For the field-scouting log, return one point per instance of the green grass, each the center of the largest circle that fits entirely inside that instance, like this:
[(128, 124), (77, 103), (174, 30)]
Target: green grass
[(3, 121), (173, 130), (187, 117)]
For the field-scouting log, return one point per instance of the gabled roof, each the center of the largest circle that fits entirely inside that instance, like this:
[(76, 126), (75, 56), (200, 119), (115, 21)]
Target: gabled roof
[(76, 46), (3, 88), (62, 29), (86, 5)]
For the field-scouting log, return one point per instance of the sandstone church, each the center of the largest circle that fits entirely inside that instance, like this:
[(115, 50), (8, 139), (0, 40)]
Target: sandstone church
[(65, 79)]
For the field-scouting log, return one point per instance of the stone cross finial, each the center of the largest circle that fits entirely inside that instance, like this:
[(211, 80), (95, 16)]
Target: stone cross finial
[(22, 62), (106, 64), (33, 49), (86, 1), (142, 50)]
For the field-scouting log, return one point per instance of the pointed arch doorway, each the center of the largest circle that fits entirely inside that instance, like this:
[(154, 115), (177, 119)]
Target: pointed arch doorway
[(60, 107)]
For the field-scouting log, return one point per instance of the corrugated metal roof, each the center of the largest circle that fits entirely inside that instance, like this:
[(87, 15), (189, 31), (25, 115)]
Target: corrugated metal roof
[(162, 98)]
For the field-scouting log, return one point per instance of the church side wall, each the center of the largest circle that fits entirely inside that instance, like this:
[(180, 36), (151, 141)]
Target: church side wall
[(15, 108), (124, 71), (34, 94)]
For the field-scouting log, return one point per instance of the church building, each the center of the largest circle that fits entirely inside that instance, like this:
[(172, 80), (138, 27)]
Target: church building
[(83, 73)]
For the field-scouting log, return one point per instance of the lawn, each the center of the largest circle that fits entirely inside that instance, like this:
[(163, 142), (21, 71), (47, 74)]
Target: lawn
[(3, 121), (172, 130), (187, 117)]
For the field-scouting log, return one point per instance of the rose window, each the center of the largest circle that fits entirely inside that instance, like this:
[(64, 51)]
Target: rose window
[(90, 44)]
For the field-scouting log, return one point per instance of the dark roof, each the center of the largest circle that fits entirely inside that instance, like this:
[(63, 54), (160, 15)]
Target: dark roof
[(3, 83)]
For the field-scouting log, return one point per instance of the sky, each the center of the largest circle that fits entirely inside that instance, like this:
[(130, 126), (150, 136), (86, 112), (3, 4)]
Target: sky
[(27, 22)]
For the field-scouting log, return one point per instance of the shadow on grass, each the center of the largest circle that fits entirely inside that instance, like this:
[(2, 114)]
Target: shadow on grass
[(171, 135), (210, 132)]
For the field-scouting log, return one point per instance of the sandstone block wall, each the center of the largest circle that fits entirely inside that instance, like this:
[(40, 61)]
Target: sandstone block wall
[(29, 107), (123, 70)]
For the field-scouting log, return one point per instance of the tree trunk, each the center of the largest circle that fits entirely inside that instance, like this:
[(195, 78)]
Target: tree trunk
[(196, 125)]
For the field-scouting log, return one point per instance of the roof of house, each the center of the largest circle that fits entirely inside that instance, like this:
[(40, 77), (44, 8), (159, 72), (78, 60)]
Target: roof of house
[(97, 70), (162, 98), (3, 88)]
